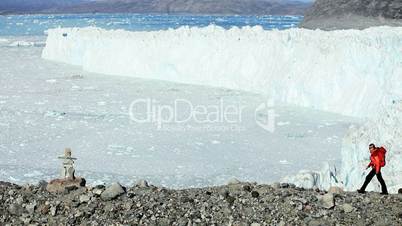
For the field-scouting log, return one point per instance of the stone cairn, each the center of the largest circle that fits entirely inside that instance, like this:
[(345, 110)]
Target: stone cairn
[(68, 170), (68, 180)]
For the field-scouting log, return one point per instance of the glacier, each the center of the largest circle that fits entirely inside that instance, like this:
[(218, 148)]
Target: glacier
[(46, 106), (351, 72), (333, 71), (384, 130)]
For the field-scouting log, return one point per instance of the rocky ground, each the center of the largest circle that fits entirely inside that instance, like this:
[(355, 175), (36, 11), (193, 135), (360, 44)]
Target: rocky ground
[(233, 204), (353, 14)]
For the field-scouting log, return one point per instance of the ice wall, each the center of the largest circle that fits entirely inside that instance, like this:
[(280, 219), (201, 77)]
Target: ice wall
[(348, 72), (352, 72), (385, 130)]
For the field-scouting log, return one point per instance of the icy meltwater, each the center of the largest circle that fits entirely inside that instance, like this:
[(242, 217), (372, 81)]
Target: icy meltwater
[(37, 24), (47, 106)]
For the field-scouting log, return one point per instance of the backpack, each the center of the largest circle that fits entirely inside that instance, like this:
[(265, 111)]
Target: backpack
[(381, 155)]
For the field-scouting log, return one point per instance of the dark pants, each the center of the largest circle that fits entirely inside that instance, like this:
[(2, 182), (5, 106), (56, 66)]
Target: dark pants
[(379, 178)]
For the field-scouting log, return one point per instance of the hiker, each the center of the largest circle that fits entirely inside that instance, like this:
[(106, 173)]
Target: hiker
[(377, 160)]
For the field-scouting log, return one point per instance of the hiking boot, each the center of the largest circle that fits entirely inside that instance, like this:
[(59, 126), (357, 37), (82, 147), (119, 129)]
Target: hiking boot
[(384, 193), (361, 191)]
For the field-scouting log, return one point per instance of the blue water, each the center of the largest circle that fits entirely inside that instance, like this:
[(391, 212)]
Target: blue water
[(19, 25)]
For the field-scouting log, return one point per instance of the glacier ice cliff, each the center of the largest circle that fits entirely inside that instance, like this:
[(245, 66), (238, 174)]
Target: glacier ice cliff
[(334, 71), (351, 72), (384, 130)]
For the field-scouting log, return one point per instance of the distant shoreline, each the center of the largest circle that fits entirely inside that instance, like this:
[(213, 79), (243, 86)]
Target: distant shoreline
[(141, 13), (165, 7)]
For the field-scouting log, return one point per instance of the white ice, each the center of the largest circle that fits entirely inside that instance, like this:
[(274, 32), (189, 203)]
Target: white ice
[(384, 130), (47, 106), (334, 71), (350, 72), (353, 73)]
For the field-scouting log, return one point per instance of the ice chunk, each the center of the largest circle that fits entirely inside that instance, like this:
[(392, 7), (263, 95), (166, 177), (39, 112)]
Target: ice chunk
[(21, 43), (322, 179)]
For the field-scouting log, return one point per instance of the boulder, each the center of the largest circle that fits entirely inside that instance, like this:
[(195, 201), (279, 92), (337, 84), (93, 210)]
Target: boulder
[(142, 184), (112, 192), (97, 192), (276, 185), (335, 190), (65, 185), (347, 208), (255, 194), (31, 207), (327, 200), (318, 222), (42, 185), (233, 181), (84, 198), (247, 188), (15, 209), (98, 189)]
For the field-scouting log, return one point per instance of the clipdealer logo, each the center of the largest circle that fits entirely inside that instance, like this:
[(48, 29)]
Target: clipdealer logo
[(182, 112), (265, 116)]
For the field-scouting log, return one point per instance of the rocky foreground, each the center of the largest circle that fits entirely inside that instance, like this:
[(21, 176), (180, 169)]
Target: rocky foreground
[(233, 204)]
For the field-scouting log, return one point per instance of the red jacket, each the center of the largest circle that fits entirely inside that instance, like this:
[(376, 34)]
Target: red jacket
[(377, 159)]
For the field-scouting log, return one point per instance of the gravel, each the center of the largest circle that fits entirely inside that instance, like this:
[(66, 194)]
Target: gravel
[(238, 203)]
